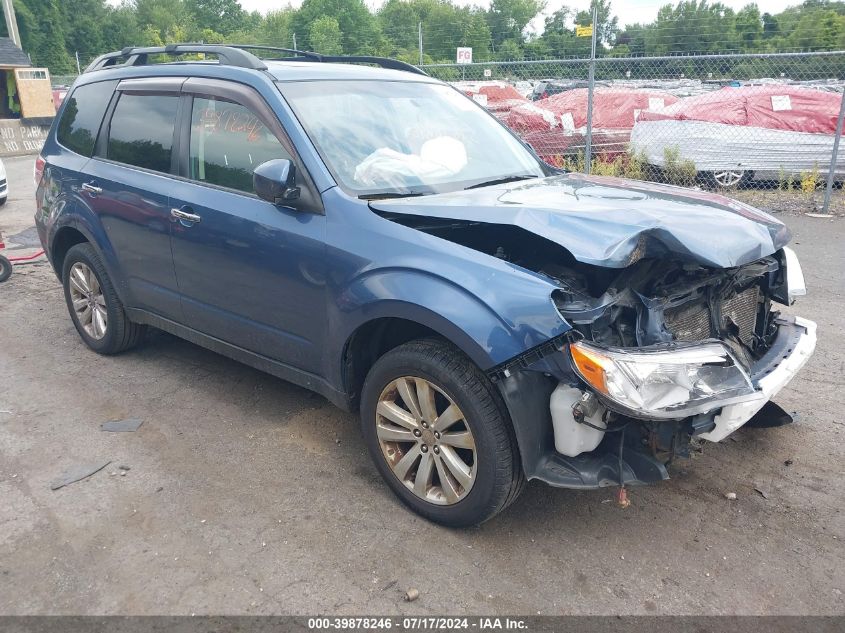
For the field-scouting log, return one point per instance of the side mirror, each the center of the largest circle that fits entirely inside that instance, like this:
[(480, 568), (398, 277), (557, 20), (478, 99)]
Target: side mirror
[(275, 181)]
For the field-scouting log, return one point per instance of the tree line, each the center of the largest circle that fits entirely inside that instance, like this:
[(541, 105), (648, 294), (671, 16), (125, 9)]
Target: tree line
[(55, 32)]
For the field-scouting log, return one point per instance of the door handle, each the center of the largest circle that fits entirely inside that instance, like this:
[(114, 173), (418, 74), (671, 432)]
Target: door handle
[(179, 214), (91, 188)]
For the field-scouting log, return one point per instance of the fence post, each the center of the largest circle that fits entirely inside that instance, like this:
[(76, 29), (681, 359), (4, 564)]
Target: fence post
[(833, 159), (421, 48), (588, 149)]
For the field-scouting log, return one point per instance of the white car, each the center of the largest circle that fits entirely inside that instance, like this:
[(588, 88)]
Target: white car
[(737, 135), (4, 186)]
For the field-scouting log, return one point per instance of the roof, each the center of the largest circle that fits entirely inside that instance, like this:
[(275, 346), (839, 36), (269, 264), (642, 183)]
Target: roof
[(306, 70), (11, 55)]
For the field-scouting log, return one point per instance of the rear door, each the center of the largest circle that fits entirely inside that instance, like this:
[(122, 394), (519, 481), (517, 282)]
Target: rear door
[(127, 184), (76, 135), (250, 273)]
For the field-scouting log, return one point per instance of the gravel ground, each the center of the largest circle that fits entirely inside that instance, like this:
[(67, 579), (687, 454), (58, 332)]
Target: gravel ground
[(247, 495), (792, 202)]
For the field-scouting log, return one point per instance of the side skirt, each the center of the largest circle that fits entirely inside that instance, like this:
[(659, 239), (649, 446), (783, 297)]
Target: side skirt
[(263, 363)]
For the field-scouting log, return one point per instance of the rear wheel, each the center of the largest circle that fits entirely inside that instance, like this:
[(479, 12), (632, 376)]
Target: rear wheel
[(439, 434), (728, 178), (94, 306)]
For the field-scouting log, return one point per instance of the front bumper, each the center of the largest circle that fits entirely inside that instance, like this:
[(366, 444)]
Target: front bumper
[(792, 348), (623, 457)]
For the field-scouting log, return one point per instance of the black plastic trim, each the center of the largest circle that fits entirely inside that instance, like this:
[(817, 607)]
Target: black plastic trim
[(527, 394), (239, 55), (139, 56)]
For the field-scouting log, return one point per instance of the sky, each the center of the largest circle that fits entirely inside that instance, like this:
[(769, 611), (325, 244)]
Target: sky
[(628, 11)]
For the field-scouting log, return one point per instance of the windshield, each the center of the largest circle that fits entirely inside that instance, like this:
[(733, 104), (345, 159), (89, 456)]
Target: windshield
[(395, 138)]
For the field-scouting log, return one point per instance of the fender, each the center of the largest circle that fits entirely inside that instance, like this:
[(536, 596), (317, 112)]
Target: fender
[(81, 218), (471, 322)]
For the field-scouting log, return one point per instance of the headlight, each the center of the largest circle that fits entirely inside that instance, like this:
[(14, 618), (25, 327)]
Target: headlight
[(672, 383)]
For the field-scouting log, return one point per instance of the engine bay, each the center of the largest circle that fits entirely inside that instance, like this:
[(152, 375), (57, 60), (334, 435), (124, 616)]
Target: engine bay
[(652, 302)]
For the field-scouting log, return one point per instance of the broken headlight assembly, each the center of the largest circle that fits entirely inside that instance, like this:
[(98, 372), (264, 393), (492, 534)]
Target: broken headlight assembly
[(663, 383)]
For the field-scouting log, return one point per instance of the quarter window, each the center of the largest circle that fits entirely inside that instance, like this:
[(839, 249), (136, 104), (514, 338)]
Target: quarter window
[(82, 116), (141, 130), (228, 141)]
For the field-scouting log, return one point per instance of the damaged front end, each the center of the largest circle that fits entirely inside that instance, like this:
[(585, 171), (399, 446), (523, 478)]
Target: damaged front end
[(660, 353), (674, 332)]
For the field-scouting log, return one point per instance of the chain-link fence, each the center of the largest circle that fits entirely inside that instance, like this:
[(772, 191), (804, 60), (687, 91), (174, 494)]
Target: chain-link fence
[(62, 80), (763, 127)]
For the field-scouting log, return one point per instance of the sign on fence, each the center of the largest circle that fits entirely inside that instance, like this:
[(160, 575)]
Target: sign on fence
[(584, 31), (464, 55), (17, 138)]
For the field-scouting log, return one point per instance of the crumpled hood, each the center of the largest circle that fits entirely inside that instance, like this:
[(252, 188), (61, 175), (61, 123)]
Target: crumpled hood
[(613, 222)]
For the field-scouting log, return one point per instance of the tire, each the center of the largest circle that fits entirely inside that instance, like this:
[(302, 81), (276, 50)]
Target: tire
[(118, 333), (3, 200), (495, 467), (5, 269)]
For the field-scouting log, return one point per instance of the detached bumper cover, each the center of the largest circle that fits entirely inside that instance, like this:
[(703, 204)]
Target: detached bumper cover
[(793, 347)]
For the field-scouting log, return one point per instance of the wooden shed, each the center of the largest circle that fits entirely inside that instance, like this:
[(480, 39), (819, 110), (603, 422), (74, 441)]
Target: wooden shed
[(26, 102)]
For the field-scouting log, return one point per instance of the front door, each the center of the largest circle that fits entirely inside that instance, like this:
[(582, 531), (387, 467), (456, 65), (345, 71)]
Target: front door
[(250, 273)]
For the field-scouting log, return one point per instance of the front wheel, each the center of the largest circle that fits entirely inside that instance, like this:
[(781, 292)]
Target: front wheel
[(440, 434)]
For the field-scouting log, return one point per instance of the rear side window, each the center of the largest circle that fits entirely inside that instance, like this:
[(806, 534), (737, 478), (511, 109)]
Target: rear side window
[(141, 130), (228, 141), (82, 116)]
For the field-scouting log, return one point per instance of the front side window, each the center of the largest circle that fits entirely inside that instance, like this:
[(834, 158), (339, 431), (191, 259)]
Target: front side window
[(141, 130), (81, 118), (228, 141), (403, 137)]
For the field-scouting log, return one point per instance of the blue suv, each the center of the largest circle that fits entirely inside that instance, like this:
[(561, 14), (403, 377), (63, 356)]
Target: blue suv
[(356, 227)]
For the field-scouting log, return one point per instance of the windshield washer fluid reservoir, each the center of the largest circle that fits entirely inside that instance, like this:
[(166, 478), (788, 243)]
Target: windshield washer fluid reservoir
[(571, 437)]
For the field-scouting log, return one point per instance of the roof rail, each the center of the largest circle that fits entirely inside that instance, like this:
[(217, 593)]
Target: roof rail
[(310, 56), (238, 55), (139, 56)]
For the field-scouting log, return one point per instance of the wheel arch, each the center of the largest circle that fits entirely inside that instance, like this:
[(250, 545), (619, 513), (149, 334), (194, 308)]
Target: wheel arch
[(374, 338), (77, 228), (66, 238), (395, 305)]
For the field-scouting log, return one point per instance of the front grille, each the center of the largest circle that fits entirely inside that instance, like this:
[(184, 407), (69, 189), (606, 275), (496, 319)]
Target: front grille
[(691, 322), (2, 182)]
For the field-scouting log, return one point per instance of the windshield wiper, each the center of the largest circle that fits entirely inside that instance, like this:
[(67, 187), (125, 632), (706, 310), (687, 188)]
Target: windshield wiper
[(501, 181), (384, 195)]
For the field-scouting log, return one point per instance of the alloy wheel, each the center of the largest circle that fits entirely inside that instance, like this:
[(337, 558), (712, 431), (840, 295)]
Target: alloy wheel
[(426, 440), (728, 178), (89, 304)]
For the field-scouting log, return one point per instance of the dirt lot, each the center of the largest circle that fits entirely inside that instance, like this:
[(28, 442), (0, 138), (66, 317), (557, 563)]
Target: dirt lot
[(248, 495)]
